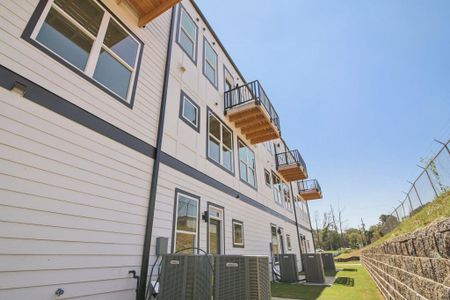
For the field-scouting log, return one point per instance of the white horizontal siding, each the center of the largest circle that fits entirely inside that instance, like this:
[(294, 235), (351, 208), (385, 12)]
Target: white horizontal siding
[(73, 207)]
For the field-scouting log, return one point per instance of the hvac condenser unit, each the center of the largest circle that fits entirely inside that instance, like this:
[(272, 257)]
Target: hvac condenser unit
[(240, 277), (288, 267), (188, 277), (328, 262), (313, 268)]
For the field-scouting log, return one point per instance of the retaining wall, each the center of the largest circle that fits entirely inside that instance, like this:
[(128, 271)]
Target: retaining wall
[(413, 266)]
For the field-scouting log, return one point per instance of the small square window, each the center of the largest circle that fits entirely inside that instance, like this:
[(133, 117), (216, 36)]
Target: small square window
[(189, 111), (267, 177), (238, 234)]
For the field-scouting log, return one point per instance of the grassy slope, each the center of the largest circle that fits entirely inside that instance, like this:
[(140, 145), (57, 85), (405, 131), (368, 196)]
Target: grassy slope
[(352, 282), (439, 208)]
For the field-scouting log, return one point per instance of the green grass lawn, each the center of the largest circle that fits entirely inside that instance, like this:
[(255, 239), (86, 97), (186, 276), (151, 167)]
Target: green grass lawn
[(353, 282)]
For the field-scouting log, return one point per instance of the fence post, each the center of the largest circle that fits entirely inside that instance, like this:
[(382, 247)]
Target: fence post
[(410, 203), (429, 178), (398, 218), (417, 193)]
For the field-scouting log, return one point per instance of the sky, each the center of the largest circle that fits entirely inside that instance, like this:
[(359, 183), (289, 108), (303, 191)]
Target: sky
[(361, 87)]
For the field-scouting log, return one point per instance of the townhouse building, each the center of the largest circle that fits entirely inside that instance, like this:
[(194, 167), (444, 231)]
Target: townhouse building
[(125, 121)]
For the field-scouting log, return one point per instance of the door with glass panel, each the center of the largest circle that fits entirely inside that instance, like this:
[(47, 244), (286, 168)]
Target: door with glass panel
[(215, 230)]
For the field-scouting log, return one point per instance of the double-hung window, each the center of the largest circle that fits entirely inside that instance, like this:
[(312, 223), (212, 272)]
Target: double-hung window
[(186, 227), (267, 178), (187, 34), (86, 37), (189, 111), (287, 197), (209, 63), (277, 189), (220, 143), (238, 234), (247, 164)]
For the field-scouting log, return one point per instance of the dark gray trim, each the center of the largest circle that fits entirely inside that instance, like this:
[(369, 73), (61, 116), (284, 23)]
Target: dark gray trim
[(174, 221), (155, 173), (182, 167), (217, 39), (181, 116), (239, 165), (208, 204), (26, 35), (216, 84), (232, 172), (243, 233), (225, 70), (193, 59), (53, 102), (43, 97)]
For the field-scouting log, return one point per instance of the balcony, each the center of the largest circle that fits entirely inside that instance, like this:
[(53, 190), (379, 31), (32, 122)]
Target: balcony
[(309, 189), (249, 108), (147, 10), (291, 165)]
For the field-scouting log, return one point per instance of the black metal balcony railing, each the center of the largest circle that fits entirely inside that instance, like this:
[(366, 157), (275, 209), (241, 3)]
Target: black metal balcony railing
[(308, 185), (251, 91), (288, 158)]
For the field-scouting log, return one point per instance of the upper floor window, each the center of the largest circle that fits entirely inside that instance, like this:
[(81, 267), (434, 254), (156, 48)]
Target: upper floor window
[(209, 62), (227, 80), (86, 37), (247, 164), (277, 189), (287, 196), (189, 111), (187, 34), (220, 143), (267, 178)]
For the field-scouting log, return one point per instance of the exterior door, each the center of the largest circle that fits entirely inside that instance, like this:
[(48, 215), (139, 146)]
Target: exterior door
[(214, 236), (215, 224), (281, 232)]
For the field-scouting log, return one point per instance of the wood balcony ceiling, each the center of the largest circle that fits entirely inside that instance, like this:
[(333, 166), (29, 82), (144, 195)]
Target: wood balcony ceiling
[(148, 10), (254, 122), (292, 172), (311, 194)]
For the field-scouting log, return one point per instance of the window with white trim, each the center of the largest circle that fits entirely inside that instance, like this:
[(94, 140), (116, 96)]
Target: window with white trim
[(187, 34), (274, 241), (186, 226), (287, 197), (209, 62), (189, 111), (247, 164), (238, 234), (89, 38), (288, 242), (220, 143)]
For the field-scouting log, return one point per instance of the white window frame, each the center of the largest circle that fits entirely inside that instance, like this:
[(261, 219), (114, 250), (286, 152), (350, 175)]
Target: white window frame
[(267, 173), (183, 12), (278, 194), (97, 45), (206, 61), (247, 164), (176, 231), (236, 244), (221, 144), (287, 199)]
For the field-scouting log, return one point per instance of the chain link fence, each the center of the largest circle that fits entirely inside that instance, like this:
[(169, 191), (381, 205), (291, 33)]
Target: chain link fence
[(433, 181)]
